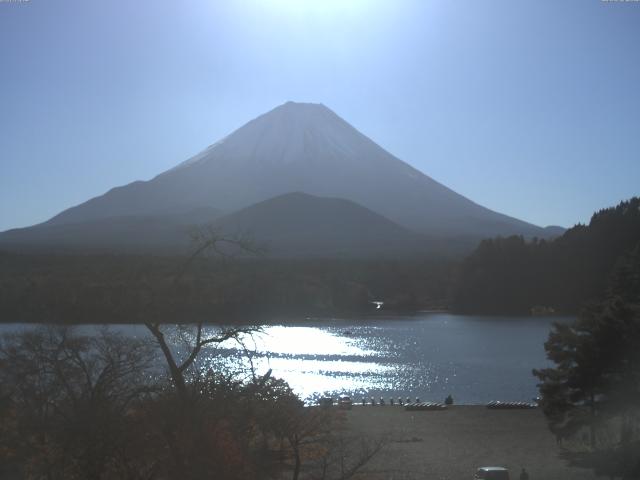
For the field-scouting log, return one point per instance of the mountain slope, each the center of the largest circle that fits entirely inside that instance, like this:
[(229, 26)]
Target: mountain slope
[(297, 224), (127, 233), (305, 148), (290, 225)]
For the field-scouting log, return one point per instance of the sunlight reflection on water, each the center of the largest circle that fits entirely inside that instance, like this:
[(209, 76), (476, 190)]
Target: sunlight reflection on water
[(312, 360), (476, 359), (295, 340)]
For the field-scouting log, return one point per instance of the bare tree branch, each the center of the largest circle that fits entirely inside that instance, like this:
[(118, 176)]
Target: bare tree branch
[(207, 239)]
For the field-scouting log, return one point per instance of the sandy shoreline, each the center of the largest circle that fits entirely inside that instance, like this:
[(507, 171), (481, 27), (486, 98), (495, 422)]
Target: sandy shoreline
[(451, 444)]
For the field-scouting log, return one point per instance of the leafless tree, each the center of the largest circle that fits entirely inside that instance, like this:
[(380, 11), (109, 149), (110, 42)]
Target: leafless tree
[(69, 396), (207, 241), (346, 455), (318, 441)]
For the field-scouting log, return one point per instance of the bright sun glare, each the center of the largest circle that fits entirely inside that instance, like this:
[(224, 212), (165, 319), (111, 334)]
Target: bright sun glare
[(316, 7)]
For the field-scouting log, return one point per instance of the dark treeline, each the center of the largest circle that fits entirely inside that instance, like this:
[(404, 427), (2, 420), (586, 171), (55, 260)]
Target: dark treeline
[(513, 276), (129, 288)]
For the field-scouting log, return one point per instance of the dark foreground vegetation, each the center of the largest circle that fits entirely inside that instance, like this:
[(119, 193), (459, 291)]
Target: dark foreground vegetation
[(77, 407), (512, 276)]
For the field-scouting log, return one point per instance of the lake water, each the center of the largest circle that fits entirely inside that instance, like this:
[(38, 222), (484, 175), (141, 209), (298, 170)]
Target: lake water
[(475, 359)]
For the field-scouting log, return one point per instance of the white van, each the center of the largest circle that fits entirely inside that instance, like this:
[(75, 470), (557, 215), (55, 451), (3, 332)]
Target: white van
[(492, 473)]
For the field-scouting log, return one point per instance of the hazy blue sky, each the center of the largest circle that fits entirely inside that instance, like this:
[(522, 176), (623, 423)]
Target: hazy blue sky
[(531, 108)]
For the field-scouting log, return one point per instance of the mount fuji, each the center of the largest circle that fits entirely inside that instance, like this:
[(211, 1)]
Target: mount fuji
[(296, 147)]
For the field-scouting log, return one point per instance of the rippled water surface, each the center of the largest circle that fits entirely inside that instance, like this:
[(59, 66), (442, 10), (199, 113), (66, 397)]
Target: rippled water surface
[(475, 359)]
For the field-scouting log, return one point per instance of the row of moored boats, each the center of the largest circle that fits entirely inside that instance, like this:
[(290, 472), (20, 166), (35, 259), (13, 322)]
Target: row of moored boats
[(497, 405), (346, 402)]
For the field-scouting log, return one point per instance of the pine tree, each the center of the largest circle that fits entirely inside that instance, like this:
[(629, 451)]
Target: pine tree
[(596, 376)]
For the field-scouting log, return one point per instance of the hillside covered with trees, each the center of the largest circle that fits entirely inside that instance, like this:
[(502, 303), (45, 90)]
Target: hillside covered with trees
[(512, 276)]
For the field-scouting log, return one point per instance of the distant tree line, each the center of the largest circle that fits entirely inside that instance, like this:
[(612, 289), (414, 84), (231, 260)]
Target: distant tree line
[(512, 275), (131, 288)]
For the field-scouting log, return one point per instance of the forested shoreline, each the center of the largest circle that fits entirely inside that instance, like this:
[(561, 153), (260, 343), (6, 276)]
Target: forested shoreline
[(133, 289), (513, 276), (508, 276)]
